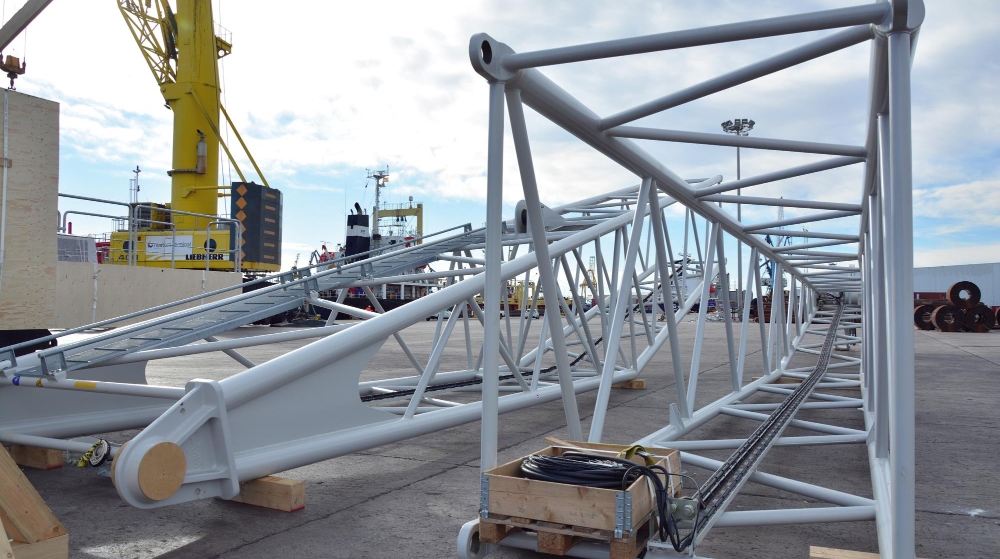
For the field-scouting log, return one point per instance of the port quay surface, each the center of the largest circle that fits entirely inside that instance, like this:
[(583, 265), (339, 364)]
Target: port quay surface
[(409, 499)]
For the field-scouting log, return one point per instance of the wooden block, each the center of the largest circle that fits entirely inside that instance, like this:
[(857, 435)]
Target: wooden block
[(491, 532), (5, 551), (273, 492), (555, 544), (621, 548), (634, 384), (628, 548), (830, 553), (37, 457), (23, 513), (52, 548)]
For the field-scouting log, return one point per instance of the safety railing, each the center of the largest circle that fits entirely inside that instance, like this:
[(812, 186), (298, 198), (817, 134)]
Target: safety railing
[(286, 279)]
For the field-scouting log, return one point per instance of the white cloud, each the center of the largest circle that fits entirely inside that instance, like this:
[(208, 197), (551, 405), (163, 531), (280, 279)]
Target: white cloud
[(320, 88), (967, 206)]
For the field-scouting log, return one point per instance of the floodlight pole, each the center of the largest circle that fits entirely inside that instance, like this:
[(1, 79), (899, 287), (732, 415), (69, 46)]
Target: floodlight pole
[(740, 127)]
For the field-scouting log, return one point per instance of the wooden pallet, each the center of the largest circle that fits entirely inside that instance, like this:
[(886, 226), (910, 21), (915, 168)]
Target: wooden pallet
[(36, 532), (559, 539)]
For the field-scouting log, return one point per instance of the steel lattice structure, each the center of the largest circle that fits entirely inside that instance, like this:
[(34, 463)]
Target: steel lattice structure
[(884, 256), (308, 405)]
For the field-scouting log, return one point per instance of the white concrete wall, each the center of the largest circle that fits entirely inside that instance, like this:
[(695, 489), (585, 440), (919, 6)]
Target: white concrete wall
[(28, 266), (940, 278), (120, 290)]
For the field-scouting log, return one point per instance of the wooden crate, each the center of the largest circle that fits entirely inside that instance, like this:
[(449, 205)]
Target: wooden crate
[(509, 494)]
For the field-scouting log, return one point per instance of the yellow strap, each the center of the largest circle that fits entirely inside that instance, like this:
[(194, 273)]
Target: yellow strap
[(633, 450), (82, 462)]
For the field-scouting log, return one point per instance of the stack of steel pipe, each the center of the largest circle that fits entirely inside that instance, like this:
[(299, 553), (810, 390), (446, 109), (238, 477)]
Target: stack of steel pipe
[(962, 312)]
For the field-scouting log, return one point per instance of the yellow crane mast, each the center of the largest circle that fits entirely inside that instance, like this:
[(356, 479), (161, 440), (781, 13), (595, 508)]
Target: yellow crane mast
[(182, 51)]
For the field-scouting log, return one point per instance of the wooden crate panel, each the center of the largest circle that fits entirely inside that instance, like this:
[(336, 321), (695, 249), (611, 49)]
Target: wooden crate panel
[(588, 507)]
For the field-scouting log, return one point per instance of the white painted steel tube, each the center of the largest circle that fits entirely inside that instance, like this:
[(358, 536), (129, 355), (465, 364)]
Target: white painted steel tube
[(810, 425), (704, 414), (782, 202), (263, 378), (259, 462), (798, 23), (537, 229), (101, 387), (785, 484), (808, 234), (554, 103), (773, 176), (618, 314), (813, 218), (796, 516), (804, 406), (899, 257), (663, 135), (816, 244), (721, 444), (826, 45), (491, 292), (48, 442)]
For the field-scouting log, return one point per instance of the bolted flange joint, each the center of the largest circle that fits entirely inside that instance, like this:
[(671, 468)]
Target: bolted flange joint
[(486, 55)]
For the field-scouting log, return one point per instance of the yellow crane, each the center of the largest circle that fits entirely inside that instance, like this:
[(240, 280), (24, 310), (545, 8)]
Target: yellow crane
[(182, 50)]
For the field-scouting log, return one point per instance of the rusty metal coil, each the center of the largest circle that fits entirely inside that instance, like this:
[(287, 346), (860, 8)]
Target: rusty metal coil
[(955, 294), (979, 319), (948, 318), (922, 317)]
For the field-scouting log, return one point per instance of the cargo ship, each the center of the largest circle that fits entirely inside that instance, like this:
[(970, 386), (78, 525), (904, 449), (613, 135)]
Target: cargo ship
[(388, 226)]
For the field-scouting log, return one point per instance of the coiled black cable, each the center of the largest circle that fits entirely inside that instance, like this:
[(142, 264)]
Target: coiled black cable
[(605, 472)]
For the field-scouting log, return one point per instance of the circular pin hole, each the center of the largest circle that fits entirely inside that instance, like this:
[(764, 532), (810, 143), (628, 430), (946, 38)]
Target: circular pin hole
[(475, 544), (487, 52)]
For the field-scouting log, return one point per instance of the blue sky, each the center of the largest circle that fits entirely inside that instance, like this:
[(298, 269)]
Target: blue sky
[(324, 90)]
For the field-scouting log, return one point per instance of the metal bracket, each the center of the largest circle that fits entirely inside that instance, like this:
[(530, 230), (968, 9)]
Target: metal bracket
[(10, 357), (484, 496), (683, 509), (199, 424), (623, 513), (58, 371), (8, 162)]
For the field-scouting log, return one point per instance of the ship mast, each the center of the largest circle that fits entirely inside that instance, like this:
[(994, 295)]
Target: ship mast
[(381, 177)]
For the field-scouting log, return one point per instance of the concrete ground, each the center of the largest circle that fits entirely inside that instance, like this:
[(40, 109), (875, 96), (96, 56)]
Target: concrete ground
[(409, 499)]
